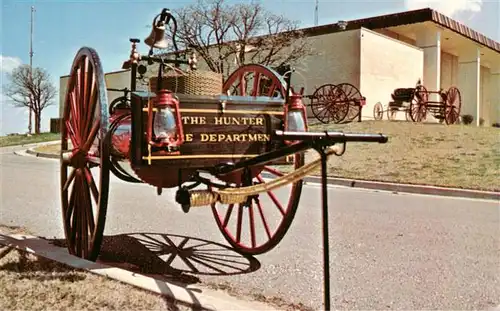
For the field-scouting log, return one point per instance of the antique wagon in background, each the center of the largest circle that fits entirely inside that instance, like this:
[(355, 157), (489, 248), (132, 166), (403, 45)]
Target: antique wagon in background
[(415, 103)]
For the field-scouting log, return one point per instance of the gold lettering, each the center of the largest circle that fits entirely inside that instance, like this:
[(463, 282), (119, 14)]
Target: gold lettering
[(259, 121), (216, 137)]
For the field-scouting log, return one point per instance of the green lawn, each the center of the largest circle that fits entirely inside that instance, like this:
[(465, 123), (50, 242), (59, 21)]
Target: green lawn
[(15, 140), (460, 156)]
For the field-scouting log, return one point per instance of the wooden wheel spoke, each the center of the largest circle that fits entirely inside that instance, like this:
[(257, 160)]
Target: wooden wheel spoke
[(91, 183), (243, 85), (256, 84), (264, 222), (71, 206), (273, 198), (239, 223), (228, 215), (273, 171), (69, 180), (91, 137), (89, 213), (92, 103), (72, 134), (74, 117), (252, 224)]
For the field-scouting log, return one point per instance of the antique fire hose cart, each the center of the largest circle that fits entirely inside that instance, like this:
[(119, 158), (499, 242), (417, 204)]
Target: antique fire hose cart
[(223, 145)]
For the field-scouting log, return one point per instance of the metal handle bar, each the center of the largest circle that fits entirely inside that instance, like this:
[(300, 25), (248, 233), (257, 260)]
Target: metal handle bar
[(126, 90), (331, 137)]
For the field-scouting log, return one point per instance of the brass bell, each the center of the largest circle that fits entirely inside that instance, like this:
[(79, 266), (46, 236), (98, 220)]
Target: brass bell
[(156, 38)]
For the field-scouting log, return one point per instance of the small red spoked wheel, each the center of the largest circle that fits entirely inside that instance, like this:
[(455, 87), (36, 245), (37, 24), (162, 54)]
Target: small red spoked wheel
[(329, 103), (453, 105), (354, 96), (378, 111), (418, 105), (259, 226), (85, 126), (255, 80)]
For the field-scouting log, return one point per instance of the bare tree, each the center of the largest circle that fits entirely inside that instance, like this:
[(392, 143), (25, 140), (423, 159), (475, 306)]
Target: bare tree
[(226, 36), (35, 91)]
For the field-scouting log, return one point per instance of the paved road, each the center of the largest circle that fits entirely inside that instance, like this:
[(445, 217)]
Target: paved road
[(388, 251)]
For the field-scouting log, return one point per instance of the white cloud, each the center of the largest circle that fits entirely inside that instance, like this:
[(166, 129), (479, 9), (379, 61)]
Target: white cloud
[(8, 63), (446, 7)]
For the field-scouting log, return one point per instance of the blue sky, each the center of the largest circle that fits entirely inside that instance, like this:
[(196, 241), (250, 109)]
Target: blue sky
[(62, 27)]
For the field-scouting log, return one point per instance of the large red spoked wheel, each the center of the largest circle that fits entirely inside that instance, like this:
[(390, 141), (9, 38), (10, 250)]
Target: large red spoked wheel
[(453, 105), (259, 226), (418, 105), (85, 145), (354, 96), (329, 103)]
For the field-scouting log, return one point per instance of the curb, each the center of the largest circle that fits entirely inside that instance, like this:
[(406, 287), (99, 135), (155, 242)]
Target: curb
[(42, 155), (197, 297), (408, 188), (374, 185)]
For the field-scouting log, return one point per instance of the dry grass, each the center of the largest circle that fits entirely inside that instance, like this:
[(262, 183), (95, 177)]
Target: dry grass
[(52, 148), (431, 154), (28, 282)]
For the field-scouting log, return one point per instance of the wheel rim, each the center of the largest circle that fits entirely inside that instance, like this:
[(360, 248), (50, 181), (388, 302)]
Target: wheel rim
[(418, 105), (85, 125), (453, 105), (377, 111), (246, 239), (329, 103), (354, 96), (391, 113)]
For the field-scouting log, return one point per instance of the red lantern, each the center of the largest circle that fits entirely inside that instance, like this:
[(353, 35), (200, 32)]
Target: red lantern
[(295, 114), (165, 129)]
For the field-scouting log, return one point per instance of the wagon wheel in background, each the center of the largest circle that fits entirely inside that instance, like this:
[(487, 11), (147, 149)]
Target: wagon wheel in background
[(418, 104), (85, 125), (452, 105), (354, 97), (378, 111), (259, 226), (391, 113), (329, 102)]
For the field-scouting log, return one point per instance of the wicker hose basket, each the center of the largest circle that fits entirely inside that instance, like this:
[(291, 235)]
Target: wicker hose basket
[(197, 82)]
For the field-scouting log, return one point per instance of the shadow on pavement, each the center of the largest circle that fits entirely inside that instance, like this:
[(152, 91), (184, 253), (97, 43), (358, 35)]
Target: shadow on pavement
[(173, 258)]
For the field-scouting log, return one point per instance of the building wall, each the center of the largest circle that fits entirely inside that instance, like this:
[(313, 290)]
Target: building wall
[(449, 70), (63, 81), (494, 92), (336, 60), (117, 80), (386, 64), (485, 108)]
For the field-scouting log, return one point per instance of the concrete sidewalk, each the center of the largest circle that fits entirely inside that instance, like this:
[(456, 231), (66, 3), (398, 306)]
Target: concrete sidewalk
[(194, 296), (363, 184)]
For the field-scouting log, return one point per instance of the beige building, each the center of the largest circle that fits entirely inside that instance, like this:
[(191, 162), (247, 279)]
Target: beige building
[(379, 54)]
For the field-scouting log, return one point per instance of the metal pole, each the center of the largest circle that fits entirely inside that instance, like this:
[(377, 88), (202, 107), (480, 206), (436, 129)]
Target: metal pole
[(316, 14), (31, 67)]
